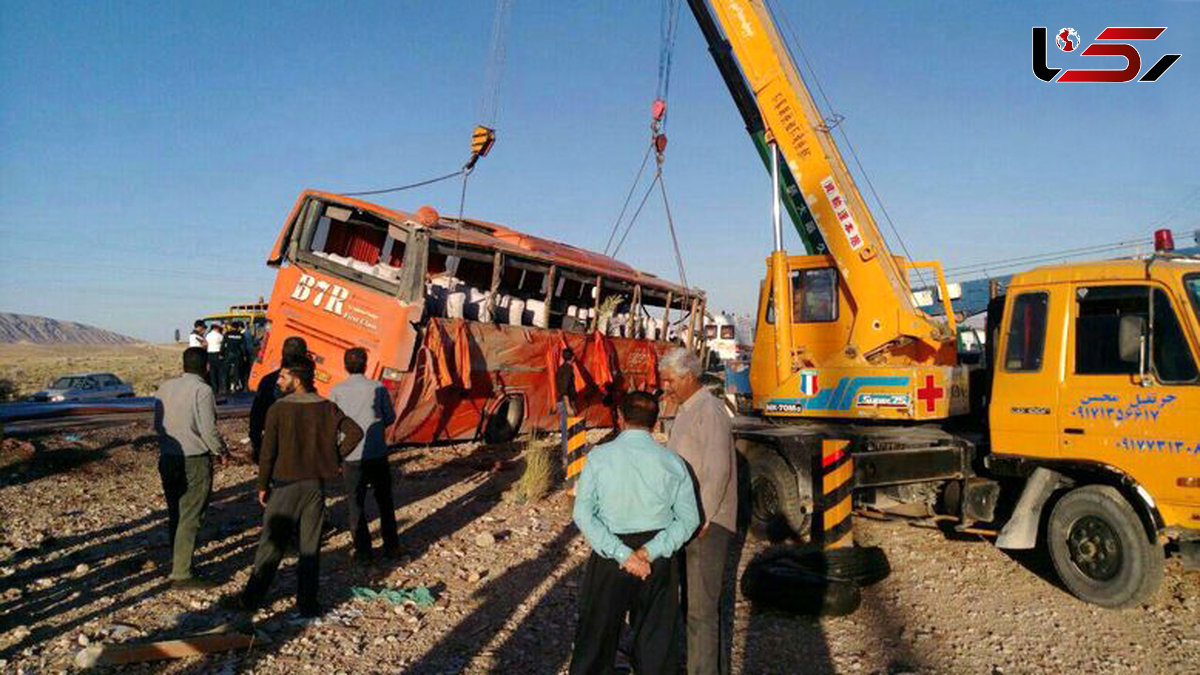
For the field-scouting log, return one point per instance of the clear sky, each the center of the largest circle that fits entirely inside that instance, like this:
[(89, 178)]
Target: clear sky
[(149, 152)]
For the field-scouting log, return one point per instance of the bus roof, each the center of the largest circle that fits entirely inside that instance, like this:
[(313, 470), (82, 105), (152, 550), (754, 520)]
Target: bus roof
[(472, 232)]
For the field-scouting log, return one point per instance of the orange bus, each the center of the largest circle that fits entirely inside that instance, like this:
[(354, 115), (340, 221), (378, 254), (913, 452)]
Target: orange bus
[(466, 321)]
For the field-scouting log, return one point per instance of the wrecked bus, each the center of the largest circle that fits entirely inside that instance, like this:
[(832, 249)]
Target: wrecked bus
[(465, 322)]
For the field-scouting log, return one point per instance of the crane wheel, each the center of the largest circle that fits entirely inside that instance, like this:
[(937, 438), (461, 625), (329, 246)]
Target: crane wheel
[(777, 510), (1101, 550), (777, 578)]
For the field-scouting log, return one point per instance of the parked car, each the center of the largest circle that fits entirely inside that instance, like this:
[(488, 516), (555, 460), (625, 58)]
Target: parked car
[(85, 387)]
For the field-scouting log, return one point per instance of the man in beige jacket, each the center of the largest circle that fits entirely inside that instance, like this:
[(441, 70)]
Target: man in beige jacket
[(702, 436)]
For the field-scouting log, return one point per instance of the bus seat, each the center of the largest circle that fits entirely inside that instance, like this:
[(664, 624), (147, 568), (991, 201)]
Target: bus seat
[(455, 303), (516, 311), (535, 311), (479, 306)]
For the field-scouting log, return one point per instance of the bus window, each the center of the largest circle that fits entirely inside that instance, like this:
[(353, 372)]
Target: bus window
[(359, 241)]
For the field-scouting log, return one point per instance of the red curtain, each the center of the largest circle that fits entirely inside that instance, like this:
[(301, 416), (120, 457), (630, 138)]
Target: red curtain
[(360, 243)]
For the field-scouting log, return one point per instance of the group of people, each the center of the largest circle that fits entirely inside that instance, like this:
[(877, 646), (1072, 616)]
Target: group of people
[(300, 442), (229, 350), (660, 519), (642, 506)]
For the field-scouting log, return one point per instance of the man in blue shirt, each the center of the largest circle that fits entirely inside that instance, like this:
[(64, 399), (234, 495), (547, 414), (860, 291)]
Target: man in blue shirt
[(636, 505)]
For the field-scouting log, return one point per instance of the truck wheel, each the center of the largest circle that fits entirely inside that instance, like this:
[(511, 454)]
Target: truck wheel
[(776, 509), (1100, 549)]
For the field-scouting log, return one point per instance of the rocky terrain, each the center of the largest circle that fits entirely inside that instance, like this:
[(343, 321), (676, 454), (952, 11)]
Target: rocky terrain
[(82, 555), (43, 330)]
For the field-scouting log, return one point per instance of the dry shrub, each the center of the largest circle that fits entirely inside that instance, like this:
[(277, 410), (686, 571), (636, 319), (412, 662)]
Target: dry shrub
[(540, 471), (8, 390)]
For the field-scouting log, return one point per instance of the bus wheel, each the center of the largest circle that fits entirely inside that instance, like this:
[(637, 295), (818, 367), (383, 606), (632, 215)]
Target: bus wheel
[(504, 423), (777, 511), (1101, 551)]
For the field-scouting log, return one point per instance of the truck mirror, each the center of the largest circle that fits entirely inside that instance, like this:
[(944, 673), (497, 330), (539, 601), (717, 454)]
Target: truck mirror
[(1130, 336)]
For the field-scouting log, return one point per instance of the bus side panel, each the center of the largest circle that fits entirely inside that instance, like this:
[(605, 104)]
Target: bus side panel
[(509, 361)]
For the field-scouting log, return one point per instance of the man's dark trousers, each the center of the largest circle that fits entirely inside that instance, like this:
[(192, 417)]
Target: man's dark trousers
[(375, 474), (216, 372), (187, 485), (291, 507), (704, 563), (607, 593)]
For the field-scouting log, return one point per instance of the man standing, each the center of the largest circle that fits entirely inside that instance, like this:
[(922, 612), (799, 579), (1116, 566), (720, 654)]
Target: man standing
[(268, 392), (216, 366), (703, 437), (300, 453), (368, 403), (636, 506), (185, 418), (233, 349), (196, 337)]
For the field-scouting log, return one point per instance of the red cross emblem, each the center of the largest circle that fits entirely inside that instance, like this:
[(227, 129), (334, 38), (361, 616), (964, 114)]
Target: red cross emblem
[(930, 393)]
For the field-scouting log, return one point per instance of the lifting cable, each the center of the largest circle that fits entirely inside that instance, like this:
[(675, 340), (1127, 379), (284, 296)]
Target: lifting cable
[(410, 186), (484, 135), (668, 23), (834, 121)]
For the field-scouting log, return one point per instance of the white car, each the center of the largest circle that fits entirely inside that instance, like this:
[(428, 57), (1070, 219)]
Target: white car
[(84, 387)]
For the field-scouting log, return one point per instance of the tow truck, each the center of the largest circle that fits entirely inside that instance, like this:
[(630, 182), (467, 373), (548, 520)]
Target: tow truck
[(1076, 433)]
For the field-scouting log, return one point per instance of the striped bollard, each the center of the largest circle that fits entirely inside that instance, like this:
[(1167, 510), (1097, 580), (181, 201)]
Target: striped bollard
[(837, 484), (575, 448)]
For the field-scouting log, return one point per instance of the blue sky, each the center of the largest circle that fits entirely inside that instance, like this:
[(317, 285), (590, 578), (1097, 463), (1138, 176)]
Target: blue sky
[(150, 151)]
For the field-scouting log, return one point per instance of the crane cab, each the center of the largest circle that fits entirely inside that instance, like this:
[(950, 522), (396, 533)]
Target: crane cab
[(830, 377)]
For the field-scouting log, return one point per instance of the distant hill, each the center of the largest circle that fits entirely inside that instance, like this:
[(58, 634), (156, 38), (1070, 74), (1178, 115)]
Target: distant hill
[(43, 330)]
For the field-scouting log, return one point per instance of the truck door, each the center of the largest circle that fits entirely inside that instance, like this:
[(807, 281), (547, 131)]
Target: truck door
[(1024, 397), (1129, 385)]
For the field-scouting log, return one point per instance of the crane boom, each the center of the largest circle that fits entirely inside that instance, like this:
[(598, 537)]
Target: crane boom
[(791, 120), (852, 341), (743, 98)]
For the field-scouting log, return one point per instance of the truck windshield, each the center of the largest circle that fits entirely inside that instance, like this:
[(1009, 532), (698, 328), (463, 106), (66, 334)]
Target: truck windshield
[(1192, 283)]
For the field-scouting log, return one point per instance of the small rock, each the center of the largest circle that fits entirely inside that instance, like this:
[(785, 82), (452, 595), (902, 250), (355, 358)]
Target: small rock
[(82, 568), (89, 656), (83, 640), (485, 540)]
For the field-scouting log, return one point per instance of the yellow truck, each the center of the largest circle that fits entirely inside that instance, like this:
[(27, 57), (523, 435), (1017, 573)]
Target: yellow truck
[(1079, 430)]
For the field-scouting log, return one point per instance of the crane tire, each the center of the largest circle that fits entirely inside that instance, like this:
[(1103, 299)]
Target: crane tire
[(1101, 550), (780, 582), (776, 509)]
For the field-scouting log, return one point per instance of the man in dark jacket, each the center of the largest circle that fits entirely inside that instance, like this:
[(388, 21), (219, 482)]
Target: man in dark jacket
[(268, 392), (300, 453), (233, 353)]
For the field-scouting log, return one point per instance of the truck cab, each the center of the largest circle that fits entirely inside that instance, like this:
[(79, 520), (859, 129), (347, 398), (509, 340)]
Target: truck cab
[(1096, 384)]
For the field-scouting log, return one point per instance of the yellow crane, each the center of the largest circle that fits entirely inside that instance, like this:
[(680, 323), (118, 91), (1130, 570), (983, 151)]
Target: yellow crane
[(1090, 388)]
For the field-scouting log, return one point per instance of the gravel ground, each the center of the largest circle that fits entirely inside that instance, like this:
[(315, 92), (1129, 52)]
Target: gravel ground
[(82, 560)]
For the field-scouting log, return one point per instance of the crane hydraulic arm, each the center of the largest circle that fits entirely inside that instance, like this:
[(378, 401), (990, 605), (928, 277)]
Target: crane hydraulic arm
[(881, 327)]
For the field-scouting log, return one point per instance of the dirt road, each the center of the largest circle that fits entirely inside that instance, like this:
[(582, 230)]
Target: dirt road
[(82, 549)]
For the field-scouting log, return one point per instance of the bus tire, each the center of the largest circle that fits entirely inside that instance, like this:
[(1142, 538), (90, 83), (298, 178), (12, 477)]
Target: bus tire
[(1101, 550), (504, 424), (777, 511)]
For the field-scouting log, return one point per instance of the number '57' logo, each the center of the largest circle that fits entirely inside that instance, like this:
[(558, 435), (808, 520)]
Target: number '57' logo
[(1067, 41)]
